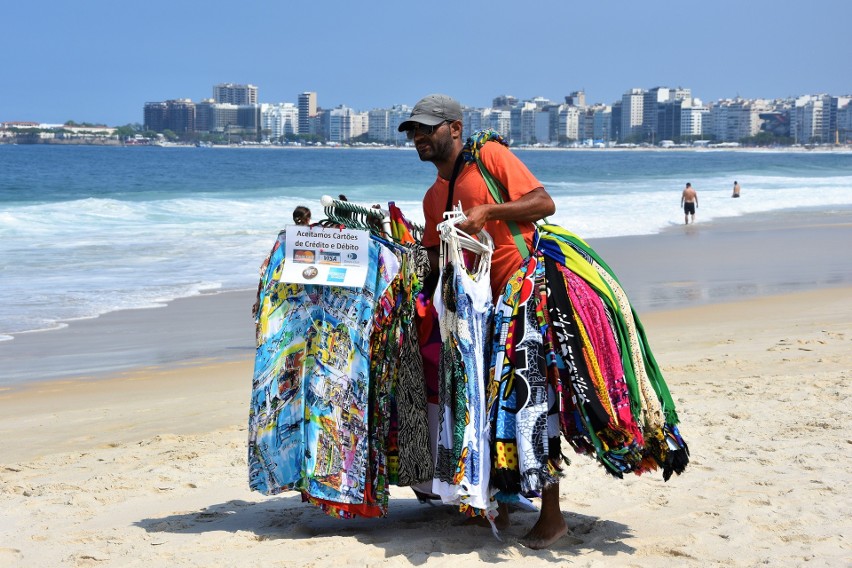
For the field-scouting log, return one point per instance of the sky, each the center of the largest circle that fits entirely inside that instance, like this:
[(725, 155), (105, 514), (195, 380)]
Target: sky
[(100, 61)]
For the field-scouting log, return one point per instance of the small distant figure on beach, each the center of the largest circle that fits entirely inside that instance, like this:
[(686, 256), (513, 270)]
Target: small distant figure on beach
[(736, 190), (689, 202), (302, 215)]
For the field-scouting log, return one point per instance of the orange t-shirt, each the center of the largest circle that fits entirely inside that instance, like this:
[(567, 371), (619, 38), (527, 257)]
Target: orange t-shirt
[(471, 190)]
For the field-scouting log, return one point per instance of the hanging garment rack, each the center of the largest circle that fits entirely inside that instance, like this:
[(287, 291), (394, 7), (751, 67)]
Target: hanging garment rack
[(357, 216)]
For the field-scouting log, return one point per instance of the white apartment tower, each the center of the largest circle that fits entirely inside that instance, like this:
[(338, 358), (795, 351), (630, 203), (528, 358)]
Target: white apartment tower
[(382, 124), (379, 121), (501, 121), (277, 120), (731, 120), (568, 123), (692, 114), (472, 120), (397, 115), (345, 124), (632, 112)]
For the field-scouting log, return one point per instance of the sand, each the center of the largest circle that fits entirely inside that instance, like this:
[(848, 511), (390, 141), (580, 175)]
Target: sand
[(147, 466)]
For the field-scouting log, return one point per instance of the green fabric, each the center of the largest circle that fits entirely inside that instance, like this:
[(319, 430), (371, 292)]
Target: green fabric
[(655, 374), (497, 190)]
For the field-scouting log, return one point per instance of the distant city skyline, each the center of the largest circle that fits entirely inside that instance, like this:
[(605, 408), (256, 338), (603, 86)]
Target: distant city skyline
[(660, 114), (559, 99), (100, 61)]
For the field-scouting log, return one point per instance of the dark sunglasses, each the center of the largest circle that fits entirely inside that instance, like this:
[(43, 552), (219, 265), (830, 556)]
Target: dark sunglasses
[(423, 129)]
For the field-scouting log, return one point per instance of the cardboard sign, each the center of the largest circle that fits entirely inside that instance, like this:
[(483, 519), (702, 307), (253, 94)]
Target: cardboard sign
[(326, 257)]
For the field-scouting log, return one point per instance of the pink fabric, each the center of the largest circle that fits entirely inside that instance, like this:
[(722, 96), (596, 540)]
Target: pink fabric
[(591, 312)]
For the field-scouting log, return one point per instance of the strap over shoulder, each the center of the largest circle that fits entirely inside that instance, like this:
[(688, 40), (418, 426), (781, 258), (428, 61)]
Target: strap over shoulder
[(471, 153)]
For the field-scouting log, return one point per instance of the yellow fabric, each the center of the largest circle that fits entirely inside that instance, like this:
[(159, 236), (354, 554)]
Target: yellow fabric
[(506, 455)]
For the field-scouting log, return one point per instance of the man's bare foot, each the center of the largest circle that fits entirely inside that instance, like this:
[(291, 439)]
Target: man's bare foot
[(550, 525), (541, 535)]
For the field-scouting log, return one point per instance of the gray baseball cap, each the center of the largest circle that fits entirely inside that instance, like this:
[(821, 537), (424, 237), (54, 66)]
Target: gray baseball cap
[(432, 110)]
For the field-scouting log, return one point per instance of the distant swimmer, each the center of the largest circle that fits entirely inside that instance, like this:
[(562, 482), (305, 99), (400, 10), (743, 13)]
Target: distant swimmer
[(689, 202), (736, 190)]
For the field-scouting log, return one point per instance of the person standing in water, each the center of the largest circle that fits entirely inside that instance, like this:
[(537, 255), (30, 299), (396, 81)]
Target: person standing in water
[(689, 202), (736, 190)]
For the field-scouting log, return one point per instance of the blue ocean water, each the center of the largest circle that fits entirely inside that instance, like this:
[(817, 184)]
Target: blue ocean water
[(88, 230)]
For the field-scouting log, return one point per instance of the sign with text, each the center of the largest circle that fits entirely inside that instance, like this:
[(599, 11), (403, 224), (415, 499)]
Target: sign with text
[(325, 256)]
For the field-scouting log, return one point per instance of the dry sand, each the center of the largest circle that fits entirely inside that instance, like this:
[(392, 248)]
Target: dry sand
[(148, 467)]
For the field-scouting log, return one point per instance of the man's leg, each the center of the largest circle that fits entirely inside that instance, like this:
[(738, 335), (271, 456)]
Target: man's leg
[(550, 526)]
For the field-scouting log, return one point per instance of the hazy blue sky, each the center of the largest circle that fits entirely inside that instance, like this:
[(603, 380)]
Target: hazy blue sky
[(101, 60)]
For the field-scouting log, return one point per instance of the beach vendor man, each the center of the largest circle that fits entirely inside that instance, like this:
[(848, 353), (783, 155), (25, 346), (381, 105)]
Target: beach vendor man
[(435, 127)]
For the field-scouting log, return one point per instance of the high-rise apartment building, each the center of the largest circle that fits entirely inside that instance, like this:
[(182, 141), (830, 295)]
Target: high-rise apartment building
[(692, 114), (398, 114), (383, 124), (577, 99), (501, 121), (523, 123), (602, 128), (277, 120), (654, 101), (504, 102), (307, 112), (204, 116), (234, 94), (843, 120), (615, 121), (568, 123), (731, 120), (177, 115), (155, 116), (472, 120), (345, 124), (632, 113)]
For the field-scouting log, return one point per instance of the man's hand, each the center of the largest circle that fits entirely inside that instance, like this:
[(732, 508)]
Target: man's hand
[(476, 217)]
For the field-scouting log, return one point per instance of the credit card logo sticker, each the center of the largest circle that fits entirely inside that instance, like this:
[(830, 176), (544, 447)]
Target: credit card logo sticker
[(336, 275)]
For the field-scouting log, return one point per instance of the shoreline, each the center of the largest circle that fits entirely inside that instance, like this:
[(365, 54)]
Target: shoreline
[(719, 147), (710, 262)]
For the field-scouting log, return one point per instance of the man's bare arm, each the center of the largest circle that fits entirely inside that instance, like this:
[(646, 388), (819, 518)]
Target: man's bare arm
[(531, 207)]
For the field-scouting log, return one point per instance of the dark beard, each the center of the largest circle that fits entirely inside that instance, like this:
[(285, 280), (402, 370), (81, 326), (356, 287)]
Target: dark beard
[(440, 149)]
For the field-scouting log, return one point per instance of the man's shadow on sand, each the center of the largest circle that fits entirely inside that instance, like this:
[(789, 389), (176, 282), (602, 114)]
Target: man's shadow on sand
[(410, 526)]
